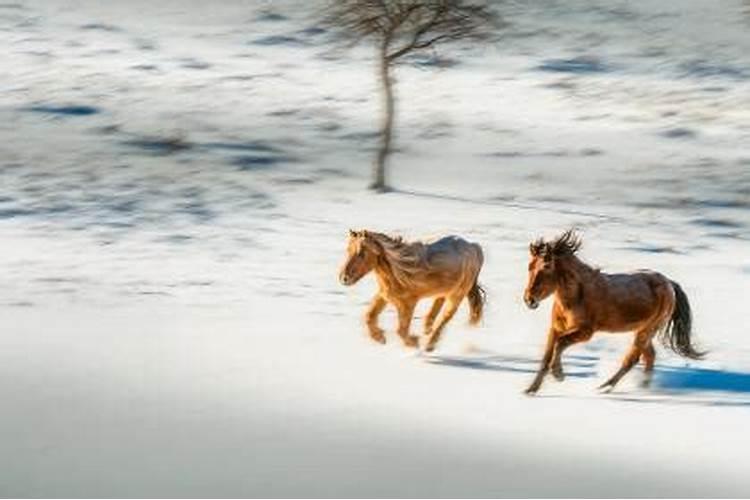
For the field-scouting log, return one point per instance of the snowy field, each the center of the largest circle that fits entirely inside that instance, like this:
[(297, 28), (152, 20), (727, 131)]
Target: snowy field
[(177, 180)]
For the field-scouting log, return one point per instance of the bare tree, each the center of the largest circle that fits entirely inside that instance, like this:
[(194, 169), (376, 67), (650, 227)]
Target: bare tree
[(402, 27)]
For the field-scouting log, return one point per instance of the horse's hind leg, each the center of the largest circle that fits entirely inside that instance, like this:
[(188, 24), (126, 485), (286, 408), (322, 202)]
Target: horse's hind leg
[(648, 355), (631, 358), (429, 320), (450, 309)]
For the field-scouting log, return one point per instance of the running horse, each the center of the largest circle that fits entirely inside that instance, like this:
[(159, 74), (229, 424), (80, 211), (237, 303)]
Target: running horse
[(587, 300), (446, 270)]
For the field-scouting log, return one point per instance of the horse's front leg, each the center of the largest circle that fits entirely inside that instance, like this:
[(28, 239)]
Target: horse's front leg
[(405, 315), (563, 342), (546, 360), (371, 318)]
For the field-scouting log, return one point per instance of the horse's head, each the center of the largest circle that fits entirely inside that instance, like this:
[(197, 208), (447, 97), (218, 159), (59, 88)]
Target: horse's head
[(542, 277), (361, 256), (544, 266)]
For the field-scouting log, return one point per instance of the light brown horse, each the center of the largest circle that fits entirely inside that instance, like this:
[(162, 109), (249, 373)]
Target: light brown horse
[(587, 301), (446, 269)]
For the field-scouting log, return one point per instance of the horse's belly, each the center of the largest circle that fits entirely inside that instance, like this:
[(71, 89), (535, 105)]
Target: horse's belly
[(438, 291), (628, 315)]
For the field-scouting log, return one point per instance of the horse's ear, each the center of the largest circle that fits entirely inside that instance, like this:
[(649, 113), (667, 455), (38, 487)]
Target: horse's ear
[(371, 243), (547, 253), (536, 248), (352, 233)]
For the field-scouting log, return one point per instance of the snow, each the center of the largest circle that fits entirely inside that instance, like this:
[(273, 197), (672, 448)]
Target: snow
[(177, 188)]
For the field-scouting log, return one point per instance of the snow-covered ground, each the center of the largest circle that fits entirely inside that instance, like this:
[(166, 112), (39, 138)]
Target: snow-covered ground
[(177, 181)]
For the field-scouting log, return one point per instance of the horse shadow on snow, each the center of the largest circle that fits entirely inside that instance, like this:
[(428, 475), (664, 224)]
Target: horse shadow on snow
[(671, 385)]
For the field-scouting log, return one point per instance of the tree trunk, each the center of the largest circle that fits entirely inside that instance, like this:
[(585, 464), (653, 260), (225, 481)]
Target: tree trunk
[(386, 131)]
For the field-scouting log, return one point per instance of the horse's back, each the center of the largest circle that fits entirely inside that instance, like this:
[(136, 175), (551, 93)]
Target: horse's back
[(453, 250), (633, 297)]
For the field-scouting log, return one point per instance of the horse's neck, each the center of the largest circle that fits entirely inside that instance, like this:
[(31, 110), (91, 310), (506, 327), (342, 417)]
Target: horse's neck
[(574, 276), (384, 274)]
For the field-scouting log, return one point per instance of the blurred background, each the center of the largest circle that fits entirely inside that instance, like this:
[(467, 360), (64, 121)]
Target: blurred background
[(177, 180)]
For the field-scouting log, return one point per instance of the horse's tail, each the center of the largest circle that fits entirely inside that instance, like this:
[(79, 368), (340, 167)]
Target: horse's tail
[(477, 297), (676, 333)]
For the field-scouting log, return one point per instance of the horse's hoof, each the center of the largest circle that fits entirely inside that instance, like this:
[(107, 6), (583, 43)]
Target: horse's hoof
[(558, 374), (531, 391), (605, 388), (380, 339), (412, 341)]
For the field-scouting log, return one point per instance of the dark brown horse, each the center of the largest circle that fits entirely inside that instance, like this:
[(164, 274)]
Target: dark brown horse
[(446, 269), (587, 301)]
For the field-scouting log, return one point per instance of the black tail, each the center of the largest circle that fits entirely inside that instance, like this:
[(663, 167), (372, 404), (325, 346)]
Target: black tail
[(477, 297), (676, 334)]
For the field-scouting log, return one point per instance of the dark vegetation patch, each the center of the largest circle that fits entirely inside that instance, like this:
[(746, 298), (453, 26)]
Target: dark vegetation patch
[(144, 44), (313, 31), (250, 146), (577, 65), (361, 136), (279, 40), (693, 203), (100, 27), (702, 68), (20, 303), (106, 129), (649, 248), (156, 145), (679, 133), (566, 84), (294, 181), (333, 172), (432, 61), (11, 213), (591, 152), (257, 162), (271, 16), (559, 153), (145, 67), (64, 110), (195, 64), (717, 223)]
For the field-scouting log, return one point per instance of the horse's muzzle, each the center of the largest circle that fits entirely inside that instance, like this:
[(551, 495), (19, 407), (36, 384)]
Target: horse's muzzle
[(531, 303), (345, 280)]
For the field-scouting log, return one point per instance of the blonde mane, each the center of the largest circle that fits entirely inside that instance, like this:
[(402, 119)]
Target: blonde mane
[(406, 260)]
